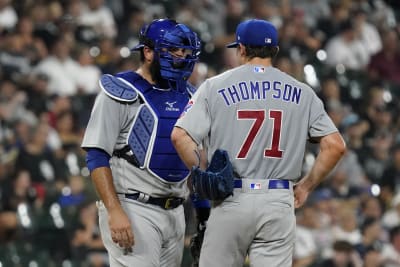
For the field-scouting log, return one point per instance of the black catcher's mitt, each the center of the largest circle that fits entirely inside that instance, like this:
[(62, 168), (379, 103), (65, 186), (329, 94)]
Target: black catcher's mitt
[(215, 183)]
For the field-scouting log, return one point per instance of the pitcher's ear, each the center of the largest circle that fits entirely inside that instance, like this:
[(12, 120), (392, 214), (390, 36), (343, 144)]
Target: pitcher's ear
[(275, 53)]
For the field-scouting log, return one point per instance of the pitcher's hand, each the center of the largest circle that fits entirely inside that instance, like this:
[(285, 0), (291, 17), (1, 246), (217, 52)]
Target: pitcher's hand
[(300, 195)]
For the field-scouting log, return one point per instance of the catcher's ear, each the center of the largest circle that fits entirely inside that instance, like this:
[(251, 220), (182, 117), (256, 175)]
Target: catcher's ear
[(148, 54)]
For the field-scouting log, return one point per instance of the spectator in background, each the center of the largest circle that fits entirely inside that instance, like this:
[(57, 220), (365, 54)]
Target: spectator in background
[(314, 10), (344, 255), (346, 49), (67, 131), (373, 258), (74, 194), (129, 28), (58, 105), (348, 179), (87, 246), (391, 252), (213, 14), (330, 90), (16, 191), (382, 13), (297, 40), (12, 102), (347, 225), (97, 17), (36, 158), (371, 231), (336, 110), (22, 130), (321, 201), (390, 180), (391, 216), (378, 157), (274, 11), (14, 60), (378, 112), (386, 63), (108, 55), (305, 248), (234, 15), (87, 73), (60, 68), (200, 72), (366, 31), (38, 94), (329, 26), (71, 156), (34, 48), (354, 130), (370, 207)]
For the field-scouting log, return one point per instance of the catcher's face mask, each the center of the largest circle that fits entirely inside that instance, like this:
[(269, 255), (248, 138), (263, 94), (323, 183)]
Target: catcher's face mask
[(178, 51)]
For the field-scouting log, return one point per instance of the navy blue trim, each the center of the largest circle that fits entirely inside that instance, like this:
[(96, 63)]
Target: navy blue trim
[(96, 158)]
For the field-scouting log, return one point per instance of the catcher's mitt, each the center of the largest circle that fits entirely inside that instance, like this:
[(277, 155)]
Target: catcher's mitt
[(216, 183)]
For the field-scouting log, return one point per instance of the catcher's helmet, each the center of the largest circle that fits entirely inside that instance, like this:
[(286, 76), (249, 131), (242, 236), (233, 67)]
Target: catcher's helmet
[(164, 35), (152, 32)]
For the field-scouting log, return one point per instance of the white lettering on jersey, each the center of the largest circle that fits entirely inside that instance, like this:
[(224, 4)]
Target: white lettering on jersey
[(170, 106)]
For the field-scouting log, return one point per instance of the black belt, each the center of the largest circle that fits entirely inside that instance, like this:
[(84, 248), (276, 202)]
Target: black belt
[(167, 203)]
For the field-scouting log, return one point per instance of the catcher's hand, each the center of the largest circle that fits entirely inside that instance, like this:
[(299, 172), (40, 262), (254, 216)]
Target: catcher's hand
[(216, 183), (196, 242)]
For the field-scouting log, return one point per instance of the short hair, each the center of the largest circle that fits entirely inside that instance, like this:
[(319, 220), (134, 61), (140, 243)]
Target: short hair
[(369, 221), (342, 246), (261, 51)]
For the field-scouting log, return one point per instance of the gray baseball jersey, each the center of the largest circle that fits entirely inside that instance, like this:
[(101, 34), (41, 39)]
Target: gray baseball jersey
[(261, 116), (107, 129)]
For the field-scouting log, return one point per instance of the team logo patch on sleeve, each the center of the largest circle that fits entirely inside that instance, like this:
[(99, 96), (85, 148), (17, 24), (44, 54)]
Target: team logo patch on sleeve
[(187, 108), (259, 69)]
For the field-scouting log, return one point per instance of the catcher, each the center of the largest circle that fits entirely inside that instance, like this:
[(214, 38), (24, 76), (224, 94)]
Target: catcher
[(136, 171)]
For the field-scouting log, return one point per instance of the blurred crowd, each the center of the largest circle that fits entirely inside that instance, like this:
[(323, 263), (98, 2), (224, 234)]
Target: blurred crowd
[(52, 54)]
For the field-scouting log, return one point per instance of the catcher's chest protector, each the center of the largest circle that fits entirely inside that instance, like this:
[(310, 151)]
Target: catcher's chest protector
[(149, 136)]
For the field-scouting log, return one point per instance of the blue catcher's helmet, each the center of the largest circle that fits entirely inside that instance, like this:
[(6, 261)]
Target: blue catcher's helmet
[(152, 32), (173, 67)]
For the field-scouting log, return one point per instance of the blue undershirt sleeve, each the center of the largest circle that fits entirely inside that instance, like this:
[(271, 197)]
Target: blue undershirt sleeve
[(96, 158)]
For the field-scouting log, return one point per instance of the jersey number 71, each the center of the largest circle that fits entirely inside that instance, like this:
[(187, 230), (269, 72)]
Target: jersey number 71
[(259, 118)]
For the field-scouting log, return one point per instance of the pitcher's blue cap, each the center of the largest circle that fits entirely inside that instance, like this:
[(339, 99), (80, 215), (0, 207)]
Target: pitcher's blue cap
[(255, 32)]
